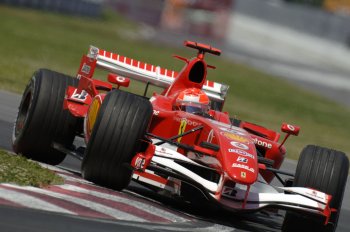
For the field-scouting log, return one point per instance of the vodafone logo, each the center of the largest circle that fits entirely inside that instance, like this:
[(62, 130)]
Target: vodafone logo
[(121, 79), (262, 143), (290, 127), (239, 145)]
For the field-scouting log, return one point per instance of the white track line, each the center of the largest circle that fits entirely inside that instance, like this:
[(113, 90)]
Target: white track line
[(146, 207), (29, 201), (137, 204), (95, 206), (213, 228)]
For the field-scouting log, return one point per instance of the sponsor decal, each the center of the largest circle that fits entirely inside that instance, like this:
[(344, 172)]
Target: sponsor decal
[(235, 137), (92, 115), (86, 68), (290, 127), (230, 192), (262, 143), (233, 130), (156, 112), (244, 175), (210, 136), (236, 165), (315, 194), (239, 145), (227, 127), (140, 163), (182, 128), (82, 96), (121, 79), (242, 159), (241, 152), (188, 122)]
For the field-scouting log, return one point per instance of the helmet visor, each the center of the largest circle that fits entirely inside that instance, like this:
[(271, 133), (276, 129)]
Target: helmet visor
[(194, 108)]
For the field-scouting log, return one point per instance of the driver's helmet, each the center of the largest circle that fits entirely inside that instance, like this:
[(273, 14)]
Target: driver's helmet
[(193, 100)]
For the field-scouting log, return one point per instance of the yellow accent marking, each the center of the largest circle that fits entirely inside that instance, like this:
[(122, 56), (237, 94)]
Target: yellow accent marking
[(93, 110), (235, 137), (182, 129)]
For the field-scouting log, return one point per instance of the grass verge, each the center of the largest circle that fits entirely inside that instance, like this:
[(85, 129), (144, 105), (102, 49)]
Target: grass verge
[(18, 170), (32, 39)]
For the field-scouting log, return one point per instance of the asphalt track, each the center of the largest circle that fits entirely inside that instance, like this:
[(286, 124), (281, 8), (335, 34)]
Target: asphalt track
[(202, 219)]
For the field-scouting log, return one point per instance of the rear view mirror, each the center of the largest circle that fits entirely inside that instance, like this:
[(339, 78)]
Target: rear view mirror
[(290, 129)]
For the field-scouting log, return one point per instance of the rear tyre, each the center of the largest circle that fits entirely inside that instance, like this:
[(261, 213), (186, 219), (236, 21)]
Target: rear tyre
[(41, 119), (116, 137), (325, 170)]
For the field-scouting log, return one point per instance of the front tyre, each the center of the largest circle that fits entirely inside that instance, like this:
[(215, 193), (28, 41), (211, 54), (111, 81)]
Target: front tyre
[(325, 170), (120, 125), (41, 119)]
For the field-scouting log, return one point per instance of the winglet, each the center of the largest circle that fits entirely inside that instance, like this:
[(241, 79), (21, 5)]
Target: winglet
[(202, 48)]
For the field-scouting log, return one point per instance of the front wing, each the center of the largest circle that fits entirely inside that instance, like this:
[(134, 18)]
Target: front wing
[(168, 162)]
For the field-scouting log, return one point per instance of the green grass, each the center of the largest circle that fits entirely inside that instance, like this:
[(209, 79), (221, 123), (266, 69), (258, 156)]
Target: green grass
[(31, 39), (18, 170)]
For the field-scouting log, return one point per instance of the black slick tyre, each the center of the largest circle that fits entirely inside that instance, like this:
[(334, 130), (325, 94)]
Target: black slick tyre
[(41, 119), (120, 125), (325, 170)]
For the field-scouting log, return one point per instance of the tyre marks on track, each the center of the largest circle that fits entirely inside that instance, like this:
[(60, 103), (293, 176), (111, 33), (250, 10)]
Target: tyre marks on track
[(80, 197)]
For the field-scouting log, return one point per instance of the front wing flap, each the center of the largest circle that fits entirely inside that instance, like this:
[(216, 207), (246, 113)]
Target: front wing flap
[(240, 197), (293, 198)]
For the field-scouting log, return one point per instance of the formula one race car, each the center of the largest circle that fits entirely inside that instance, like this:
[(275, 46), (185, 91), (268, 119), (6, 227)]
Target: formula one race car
[(178, 141)]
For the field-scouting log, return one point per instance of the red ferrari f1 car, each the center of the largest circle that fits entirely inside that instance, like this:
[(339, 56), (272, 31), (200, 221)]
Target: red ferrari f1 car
[(178, 141)]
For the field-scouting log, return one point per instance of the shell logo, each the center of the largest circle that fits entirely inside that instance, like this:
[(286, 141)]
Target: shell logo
[(235, 137), (92, 115)]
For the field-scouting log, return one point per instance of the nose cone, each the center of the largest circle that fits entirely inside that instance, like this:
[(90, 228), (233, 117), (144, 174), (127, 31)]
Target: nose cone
[(238, 155)]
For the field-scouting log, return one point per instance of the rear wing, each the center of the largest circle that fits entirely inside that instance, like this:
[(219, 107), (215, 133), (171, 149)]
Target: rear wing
[(148, 73)]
